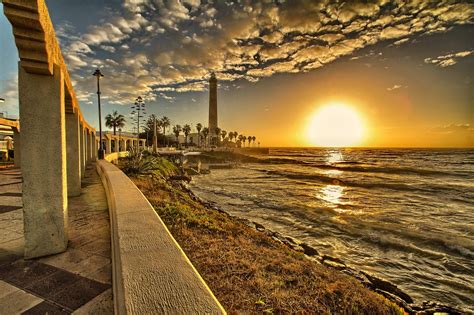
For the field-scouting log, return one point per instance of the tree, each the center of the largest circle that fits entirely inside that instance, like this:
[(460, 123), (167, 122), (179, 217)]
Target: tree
[(198, 128), (187, 131), (177, 130), (231, 136), (223, 134), (205, 133), (218, 136), (165, 123), (253, 140), (242, 139), (114, 121)]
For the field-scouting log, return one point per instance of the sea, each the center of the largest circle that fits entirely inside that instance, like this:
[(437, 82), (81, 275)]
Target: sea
[(404, 215)]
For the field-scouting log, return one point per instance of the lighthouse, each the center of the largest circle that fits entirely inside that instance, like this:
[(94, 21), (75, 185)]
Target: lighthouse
[(213, 137)]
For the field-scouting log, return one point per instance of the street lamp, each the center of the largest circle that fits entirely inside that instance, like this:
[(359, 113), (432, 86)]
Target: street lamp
[(98, 74)]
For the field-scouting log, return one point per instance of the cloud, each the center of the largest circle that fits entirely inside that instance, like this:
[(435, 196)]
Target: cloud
[(152, 46), (453, 128), (394, 87), (449, 59)]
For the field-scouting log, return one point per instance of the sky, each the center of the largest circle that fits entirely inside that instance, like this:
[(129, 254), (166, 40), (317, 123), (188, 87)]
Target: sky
[(406, 67)]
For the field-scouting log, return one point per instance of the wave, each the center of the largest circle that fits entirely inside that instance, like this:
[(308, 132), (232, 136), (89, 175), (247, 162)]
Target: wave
[(341, 166), (383, 185)]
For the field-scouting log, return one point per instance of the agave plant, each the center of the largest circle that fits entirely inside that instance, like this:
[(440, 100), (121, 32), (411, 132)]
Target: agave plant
[(136, 164)]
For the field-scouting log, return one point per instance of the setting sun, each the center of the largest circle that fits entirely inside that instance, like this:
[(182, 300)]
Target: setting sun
[(335, 125)]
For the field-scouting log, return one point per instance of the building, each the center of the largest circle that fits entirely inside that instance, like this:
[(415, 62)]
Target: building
[(213, 109)]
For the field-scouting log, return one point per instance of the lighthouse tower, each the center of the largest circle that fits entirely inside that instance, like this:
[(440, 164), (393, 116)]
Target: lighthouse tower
[(213, 109)]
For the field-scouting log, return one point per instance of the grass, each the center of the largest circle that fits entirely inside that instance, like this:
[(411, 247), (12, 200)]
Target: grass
[(248, 271)]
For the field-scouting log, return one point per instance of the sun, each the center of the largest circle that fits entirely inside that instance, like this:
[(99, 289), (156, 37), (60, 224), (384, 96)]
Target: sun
[(335, 125)]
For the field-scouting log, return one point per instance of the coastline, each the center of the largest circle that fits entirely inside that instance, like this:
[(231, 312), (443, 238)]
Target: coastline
[(376, 284), (196, 223)]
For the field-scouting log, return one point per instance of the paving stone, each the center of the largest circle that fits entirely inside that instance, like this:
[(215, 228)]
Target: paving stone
[(22, 273), (17, 302), (46, 308), (10, 194), (6, 288), (7, 208), (101, 304), (53, 283), (79, 293)]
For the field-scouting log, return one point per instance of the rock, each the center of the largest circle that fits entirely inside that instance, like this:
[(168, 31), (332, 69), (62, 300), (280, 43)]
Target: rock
[(384, 285), (397, 300), (308, 250), (259, 227), (326, 258)]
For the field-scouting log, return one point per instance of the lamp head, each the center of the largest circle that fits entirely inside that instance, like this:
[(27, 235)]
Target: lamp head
[(97, 73)]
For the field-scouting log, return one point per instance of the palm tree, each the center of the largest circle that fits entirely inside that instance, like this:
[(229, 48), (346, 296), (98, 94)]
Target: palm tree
[(186, 130), (205, 133), (177, 130), (114, 121), (218, 135), (253, 140), (198, 128), (242, 139), (231, 136), (223, 134), (236, 135), (165, 123)]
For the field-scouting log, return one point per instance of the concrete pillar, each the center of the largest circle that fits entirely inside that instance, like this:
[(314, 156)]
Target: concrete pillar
[(90, 146), (116, 145), (86, 145), (43, 162), (73, 147), (16, 148), (94, 147), (108, 145), (81, 151)]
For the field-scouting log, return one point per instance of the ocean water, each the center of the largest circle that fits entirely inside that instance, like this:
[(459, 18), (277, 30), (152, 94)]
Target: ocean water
[(406, 215)]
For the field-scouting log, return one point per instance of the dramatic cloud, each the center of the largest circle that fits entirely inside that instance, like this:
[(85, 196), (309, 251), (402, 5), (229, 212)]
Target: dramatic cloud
[(153, 46), (449, 59)]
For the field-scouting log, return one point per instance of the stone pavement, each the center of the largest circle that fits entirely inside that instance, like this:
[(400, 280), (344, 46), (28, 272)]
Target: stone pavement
[(77, 281)]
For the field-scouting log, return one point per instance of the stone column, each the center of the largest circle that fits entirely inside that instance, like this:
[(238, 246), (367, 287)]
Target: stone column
[(81, 151), (16, 148), (90, 147), (108, 145), (94, 147), (43, 162), (73, 147)]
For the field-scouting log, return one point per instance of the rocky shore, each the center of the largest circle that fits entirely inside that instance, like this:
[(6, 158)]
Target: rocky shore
[(378, 285)]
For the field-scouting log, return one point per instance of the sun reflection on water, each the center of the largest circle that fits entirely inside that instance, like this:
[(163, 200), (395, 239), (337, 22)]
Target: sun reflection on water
[(332, 193)]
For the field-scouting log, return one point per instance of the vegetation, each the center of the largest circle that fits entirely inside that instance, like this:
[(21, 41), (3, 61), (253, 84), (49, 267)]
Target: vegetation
[(143, 163), (247, 270), (114, 121)]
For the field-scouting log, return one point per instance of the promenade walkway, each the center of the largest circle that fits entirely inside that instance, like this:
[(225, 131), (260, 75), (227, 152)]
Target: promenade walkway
[(77, 281)]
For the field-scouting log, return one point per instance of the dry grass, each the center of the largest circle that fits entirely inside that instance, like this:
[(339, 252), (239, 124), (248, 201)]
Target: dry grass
[(251, 273)]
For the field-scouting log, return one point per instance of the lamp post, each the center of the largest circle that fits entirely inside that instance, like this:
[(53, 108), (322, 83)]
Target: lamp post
[(139, 109), (98, 74)]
